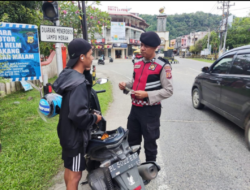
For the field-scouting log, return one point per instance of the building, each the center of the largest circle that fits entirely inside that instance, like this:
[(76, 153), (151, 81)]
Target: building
[(195, 36), (134, 27), (185, 43), (172, 43), (177, 45)]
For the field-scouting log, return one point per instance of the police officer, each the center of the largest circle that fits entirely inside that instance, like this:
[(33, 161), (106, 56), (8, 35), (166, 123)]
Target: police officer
[(151, 83)]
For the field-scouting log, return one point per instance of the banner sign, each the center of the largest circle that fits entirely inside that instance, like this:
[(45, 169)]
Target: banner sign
[(56, 34), (118, 32), (98, 41), (19, 52), (120, 45)]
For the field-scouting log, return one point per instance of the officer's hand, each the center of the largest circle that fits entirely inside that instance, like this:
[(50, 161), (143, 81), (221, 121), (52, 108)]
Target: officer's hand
[(99, 118), (141, 94), (122, 85)]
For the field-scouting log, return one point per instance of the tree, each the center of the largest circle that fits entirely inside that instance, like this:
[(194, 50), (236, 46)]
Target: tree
[(27, 12), (71, 16), (239, 34), (182, 24)]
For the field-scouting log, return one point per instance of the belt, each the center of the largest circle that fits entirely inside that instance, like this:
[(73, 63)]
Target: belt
[(143, 103)]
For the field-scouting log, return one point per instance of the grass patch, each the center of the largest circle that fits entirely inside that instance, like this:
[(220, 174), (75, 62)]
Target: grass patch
[(31, 153), (106, 97), (204, 60)]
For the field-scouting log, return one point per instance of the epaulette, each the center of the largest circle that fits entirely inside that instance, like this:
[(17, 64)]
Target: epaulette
[(164, 61)]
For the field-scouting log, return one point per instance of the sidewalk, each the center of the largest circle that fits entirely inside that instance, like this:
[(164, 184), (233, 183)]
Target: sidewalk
[(116, 116)]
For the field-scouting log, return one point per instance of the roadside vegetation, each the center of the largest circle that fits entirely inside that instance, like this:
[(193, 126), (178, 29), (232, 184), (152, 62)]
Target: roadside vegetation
[(31, 153), (204, 60)]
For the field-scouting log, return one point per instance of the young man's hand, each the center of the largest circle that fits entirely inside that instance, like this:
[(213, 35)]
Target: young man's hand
[(141, 94), (122, 85), (99, 118)]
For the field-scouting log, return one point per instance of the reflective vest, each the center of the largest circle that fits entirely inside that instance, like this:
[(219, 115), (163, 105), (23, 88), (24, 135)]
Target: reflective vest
[(147, 78)]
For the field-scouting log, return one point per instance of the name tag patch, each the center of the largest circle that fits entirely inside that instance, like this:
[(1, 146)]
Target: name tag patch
[(152, 67), (137, 66)]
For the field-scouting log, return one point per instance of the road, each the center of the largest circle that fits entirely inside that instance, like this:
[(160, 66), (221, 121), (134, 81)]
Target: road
[(198, 149)]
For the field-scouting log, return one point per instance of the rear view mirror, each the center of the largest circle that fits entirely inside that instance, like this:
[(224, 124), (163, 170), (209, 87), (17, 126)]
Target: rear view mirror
[(205, 69), (101, 81)]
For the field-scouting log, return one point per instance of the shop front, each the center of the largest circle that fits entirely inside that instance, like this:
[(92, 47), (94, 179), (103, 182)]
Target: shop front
[(98, 51), (108, 49), (119, 51)]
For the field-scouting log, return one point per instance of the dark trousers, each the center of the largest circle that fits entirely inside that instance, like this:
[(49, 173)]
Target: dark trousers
[(145, 121)]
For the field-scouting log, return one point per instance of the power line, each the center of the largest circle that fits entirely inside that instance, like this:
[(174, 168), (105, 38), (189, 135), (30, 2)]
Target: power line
[(240, 9)]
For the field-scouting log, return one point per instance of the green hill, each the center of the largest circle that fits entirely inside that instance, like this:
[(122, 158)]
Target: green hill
[(182, 24)]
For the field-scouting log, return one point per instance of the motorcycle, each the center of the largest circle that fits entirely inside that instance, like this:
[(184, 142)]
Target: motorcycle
[(111, 163), (101, 61), (110, 59)]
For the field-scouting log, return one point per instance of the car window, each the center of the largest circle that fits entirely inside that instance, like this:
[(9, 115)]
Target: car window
[(223, 65), (241, 65)]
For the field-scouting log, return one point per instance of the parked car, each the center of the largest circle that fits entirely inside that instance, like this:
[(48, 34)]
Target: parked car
[(225, 88)]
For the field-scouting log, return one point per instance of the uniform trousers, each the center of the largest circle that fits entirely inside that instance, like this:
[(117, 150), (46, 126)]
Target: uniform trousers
[(145, 121)]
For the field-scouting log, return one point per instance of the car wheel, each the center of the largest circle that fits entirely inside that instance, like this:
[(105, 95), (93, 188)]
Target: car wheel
[(196, 99), (247, 135)]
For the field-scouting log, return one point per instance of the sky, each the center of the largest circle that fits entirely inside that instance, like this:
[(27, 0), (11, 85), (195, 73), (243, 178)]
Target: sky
[(240, 9)]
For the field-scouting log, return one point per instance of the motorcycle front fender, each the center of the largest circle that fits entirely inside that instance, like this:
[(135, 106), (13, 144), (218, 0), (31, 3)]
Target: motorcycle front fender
[(130, 179)]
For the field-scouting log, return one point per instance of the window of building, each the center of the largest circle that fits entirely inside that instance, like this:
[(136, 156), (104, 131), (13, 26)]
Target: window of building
[(241, 65)]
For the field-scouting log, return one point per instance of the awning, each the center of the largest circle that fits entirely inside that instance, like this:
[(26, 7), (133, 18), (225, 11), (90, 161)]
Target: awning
[(137, 51), (135, 47), (97, 47), (108, 46)]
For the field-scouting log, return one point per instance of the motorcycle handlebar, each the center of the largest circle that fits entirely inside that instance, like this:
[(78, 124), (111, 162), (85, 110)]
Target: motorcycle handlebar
[(100, 91)]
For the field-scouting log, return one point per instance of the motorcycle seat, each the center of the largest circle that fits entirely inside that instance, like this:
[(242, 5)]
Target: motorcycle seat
[(115, 137)]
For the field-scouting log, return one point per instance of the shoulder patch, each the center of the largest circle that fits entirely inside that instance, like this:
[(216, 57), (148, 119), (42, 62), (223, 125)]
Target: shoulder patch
[(168, 69)]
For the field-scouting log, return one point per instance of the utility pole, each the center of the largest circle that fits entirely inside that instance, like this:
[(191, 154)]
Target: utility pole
[(208, 46), (83, 21), (84, 26), (225, 37), (223, 6), (58, 53)]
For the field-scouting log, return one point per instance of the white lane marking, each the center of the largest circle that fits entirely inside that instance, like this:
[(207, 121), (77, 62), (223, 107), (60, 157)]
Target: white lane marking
[(120, 74), (163, 187), (162, 174), (186, 121), (195, 70)]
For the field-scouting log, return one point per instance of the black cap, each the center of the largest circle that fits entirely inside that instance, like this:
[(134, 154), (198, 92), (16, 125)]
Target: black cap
[(151, 39), (77, 47)]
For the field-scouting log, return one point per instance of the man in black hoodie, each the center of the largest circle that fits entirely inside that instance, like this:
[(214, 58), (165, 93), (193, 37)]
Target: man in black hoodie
[(75, 119)]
